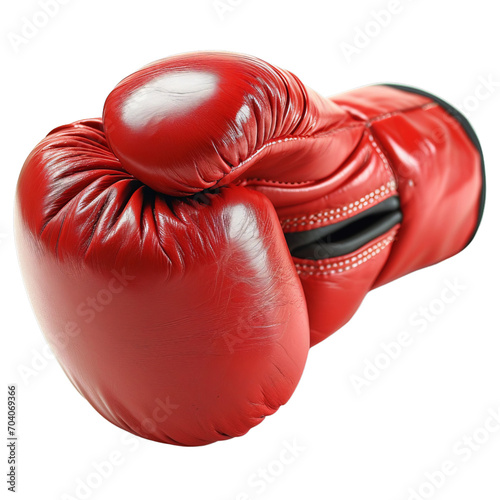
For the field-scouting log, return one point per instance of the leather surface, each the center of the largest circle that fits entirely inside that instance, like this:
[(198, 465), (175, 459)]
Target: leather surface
[(152, 241)]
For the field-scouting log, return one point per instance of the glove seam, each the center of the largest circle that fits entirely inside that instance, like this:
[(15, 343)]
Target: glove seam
[(337, 265), (343, 211), (365, 124)]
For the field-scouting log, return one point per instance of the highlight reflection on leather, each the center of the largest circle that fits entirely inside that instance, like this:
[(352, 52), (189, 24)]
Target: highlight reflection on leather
[(174, 94), (153, 242)]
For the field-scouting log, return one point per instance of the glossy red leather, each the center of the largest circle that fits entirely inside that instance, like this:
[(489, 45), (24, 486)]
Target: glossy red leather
[(152, 244)]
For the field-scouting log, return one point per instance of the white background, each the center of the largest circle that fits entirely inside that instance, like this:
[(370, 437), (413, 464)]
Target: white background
[(375, 445)]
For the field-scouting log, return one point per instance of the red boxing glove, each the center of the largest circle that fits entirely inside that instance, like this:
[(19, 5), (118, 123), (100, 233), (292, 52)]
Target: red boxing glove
[(151, 244)]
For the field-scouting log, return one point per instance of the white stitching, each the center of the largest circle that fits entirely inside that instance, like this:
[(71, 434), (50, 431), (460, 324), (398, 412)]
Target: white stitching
[(318, 135), (424, 107), (340, 212), (381, 155), (321, 269)]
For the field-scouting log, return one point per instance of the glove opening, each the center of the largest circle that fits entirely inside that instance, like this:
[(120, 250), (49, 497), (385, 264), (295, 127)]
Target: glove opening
[(348, 235)]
